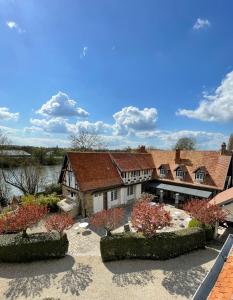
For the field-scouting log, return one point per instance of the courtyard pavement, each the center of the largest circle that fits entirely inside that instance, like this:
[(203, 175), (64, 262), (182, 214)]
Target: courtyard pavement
[(83, 275)]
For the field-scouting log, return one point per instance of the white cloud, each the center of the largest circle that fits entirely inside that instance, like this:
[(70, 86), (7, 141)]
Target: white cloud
[(217, 107), (84, 52), (167, 139), (98, 127), (201, 23), (60, 105), (13, 25), (5, 114), (131, 119), (55, 125)]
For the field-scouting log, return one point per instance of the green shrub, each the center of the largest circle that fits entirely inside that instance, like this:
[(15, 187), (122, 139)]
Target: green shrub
[(28, 199), (53, 188), (15, 248), (49, 200), (164, 245), (209, 230)]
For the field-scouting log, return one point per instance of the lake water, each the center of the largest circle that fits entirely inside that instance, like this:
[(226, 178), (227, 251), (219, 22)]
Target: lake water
[(50, 175)]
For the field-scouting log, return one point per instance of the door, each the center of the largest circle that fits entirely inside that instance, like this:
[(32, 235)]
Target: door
[(105, 200)]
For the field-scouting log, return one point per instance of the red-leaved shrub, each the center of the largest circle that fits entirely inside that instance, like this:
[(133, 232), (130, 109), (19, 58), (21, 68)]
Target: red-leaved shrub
[(59, 223), (148, 219), (24, 217), (108, 219), (203, 211)]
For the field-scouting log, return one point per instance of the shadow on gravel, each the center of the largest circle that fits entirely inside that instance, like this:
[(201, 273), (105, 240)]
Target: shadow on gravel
[(31, 279), (76, 280), (181, 275)]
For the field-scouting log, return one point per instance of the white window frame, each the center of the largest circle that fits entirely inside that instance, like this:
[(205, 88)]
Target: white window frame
[(180, 173), (130, 190), (162, 171), (200, 175), (114, 195)]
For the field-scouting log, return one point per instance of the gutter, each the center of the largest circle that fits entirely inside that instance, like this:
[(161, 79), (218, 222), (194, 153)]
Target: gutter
[(208, 283)]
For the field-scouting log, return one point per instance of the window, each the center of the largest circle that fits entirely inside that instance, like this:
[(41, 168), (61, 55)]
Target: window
[(146, 172), (179, 173), (123, 175), (130, 190), (200, 175), (114, 195), (162, 172)]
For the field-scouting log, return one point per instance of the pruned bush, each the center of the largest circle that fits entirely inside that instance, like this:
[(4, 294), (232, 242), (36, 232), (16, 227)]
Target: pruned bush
[(108, 219), (148, 219), (163, 245), (24, 217), (209, 230), (59, 223), (37, 246)]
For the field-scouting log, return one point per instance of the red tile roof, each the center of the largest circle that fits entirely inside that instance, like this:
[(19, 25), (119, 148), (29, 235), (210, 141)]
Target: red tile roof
[(94, 170), (223, 197), (223, 288), (132, 161), (216, 164)]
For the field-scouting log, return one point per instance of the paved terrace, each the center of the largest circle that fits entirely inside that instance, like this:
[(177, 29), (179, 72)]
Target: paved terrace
[(83, 275)]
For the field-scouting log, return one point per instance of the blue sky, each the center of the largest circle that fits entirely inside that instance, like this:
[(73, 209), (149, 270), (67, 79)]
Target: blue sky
[(135, 72)]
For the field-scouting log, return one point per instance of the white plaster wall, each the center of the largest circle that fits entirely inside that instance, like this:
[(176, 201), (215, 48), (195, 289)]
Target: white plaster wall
[(115, 202), (138, 190), (97, 202)]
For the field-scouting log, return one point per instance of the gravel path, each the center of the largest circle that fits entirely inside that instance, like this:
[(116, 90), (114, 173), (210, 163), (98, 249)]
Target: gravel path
[(87, 277)]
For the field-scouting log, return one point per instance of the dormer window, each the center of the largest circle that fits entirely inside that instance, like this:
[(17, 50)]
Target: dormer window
[(162, 172), (200, 175), (179, 173)]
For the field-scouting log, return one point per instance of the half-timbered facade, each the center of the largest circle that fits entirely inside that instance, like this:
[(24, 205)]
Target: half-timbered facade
[(102, 180)]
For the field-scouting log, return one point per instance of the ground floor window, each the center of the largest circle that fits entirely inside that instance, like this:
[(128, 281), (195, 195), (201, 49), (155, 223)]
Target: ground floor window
[(114, 195), (130, 190)]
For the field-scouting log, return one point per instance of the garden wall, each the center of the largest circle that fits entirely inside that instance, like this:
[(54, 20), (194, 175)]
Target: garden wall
[(163, 246)]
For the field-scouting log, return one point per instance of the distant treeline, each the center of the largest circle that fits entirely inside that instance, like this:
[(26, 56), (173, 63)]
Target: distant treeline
[(38, 155)]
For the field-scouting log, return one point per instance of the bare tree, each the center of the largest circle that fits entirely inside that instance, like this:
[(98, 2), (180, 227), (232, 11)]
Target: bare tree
[(85, 141), (4, 189), (28, 179), (3, 139)]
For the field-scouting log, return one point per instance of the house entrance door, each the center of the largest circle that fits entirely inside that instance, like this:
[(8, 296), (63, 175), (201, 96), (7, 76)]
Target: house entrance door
[(105, 200)]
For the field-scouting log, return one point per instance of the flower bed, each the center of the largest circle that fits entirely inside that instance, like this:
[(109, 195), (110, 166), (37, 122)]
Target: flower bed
[(37, 246), (163, 245)]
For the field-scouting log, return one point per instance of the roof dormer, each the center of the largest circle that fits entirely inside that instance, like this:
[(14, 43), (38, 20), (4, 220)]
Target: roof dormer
[(180, 172), (200, 173)]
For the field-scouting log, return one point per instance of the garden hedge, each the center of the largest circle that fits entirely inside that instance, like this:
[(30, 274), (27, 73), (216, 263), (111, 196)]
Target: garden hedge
[(15, 248), (209, 230), (164, 245)]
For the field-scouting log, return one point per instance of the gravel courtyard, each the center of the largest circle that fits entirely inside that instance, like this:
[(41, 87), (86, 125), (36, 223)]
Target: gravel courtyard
[(83, 275)]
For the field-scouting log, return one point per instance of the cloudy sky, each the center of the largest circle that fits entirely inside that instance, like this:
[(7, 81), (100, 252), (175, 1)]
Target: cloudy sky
[(133, 71)]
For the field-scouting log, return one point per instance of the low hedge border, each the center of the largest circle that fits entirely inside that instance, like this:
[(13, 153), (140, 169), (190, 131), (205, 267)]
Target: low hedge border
[(164, 245), (37, 246), (209, 230)]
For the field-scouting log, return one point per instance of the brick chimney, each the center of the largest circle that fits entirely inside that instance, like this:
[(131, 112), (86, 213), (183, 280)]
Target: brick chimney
[(177, 156), (223, 148), (142, 149)]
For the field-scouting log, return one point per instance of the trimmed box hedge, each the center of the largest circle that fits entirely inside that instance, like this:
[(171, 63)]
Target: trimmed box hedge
[(209, 230), (37, 246), (164, 245)]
